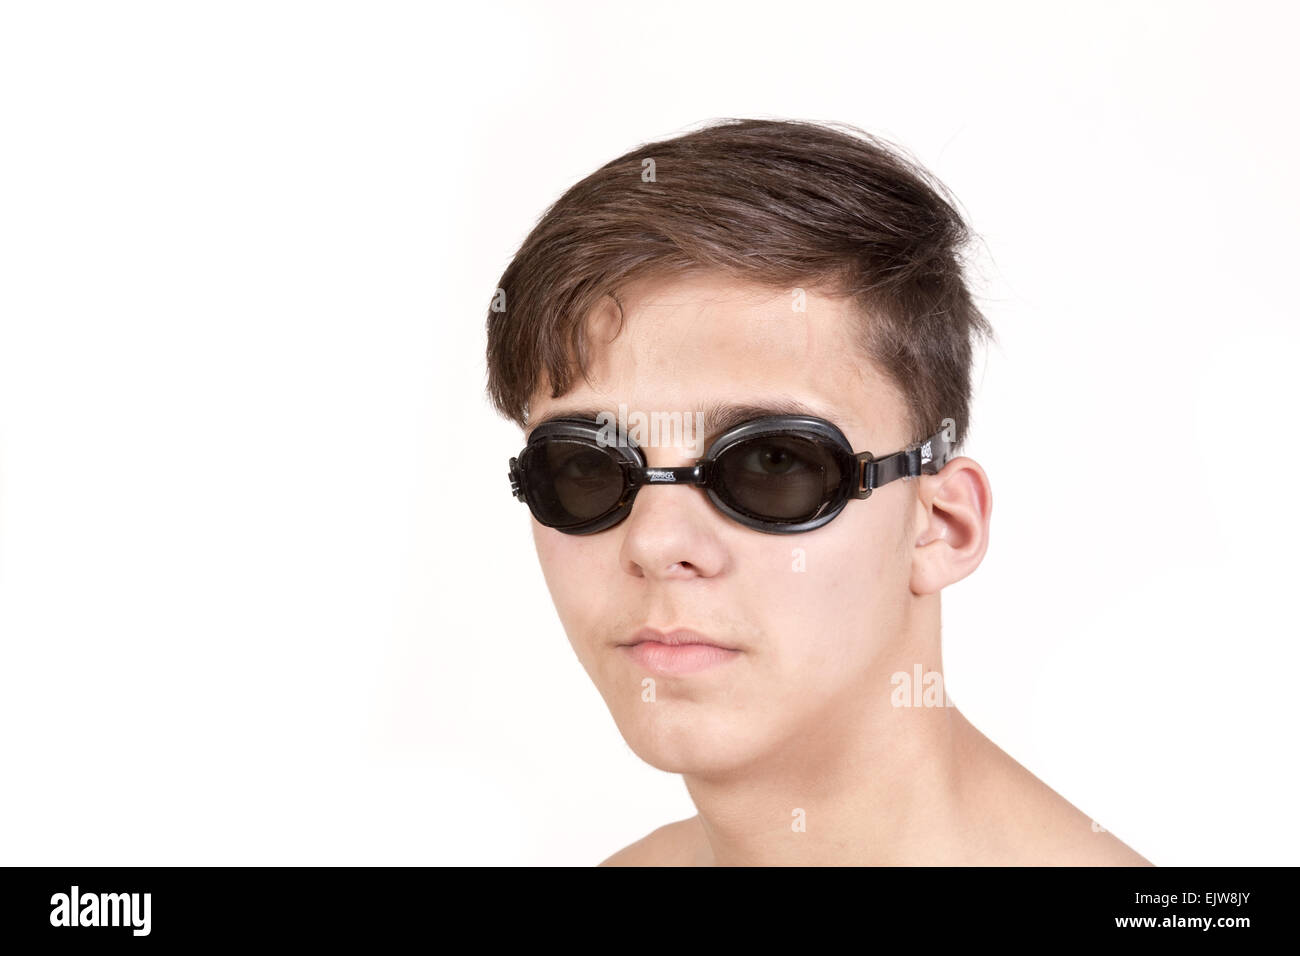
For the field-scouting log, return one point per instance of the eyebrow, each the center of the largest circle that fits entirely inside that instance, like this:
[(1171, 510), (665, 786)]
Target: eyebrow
[(720, 416)]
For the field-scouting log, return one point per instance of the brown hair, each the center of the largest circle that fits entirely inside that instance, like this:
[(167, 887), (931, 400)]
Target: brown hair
[(780, 203)]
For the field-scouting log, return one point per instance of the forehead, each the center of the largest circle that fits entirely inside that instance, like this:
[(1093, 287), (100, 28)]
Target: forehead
[(725, 347)]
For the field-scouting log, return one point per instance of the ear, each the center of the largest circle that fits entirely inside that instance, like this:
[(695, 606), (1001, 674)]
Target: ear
[(952, 525)]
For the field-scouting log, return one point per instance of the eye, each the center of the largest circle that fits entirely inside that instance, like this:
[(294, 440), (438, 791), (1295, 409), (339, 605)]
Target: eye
[(581, 467), (585, 466), (772, 458)]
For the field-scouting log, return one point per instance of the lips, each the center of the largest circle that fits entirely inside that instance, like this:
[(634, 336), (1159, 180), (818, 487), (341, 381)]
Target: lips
[(677, 652), (675, 638)]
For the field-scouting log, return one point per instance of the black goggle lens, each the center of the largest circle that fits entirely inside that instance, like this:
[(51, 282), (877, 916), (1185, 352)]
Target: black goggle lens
[(568, 482), (777, 477)]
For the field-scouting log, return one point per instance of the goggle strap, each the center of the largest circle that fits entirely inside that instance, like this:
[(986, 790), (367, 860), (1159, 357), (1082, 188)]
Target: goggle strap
[(515, 488), (927, 457)]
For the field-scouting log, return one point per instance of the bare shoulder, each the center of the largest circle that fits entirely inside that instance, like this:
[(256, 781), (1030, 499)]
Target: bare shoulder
[(1030, 824), (673, 844)]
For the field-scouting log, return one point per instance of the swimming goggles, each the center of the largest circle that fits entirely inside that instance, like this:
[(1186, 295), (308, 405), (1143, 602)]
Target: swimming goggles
[(779, 474)]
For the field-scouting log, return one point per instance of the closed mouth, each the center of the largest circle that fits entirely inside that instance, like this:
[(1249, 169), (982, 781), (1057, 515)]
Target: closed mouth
[(675, 638)]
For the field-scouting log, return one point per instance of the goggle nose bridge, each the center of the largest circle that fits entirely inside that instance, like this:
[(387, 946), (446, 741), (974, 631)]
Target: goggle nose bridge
[(696, 474)]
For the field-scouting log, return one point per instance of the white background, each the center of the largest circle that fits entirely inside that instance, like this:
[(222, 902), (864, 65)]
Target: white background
[(264, 594)]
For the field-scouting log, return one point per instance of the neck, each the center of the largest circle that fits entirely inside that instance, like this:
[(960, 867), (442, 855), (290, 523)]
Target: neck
[(874, 783)]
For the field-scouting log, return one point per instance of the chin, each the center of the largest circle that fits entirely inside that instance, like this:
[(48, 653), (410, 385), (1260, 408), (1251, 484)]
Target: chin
[(676, 740)]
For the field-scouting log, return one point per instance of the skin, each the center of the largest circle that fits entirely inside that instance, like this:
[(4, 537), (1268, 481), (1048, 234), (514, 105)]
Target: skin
[(801, 723)]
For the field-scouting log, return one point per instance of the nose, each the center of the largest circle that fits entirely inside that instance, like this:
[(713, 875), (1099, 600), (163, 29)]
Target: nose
[(672, 532)]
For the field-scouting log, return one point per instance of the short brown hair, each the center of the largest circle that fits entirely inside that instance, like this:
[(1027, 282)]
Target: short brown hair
[(780, 203)]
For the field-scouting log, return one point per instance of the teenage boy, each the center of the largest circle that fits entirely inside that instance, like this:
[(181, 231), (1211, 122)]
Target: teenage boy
[(758, 600)]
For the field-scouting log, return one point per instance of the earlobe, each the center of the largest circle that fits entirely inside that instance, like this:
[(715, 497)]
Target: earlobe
[(953, 529)]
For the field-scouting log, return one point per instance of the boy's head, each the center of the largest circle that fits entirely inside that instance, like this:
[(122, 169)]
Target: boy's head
[(760, 264)]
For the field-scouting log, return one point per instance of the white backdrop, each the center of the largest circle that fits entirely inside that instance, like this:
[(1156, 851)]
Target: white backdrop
[(264, 594)]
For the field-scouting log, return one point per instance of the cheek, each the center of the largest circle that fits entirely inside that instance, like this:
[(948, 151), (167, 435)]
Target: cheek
[(569, 564), (832, 618)]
